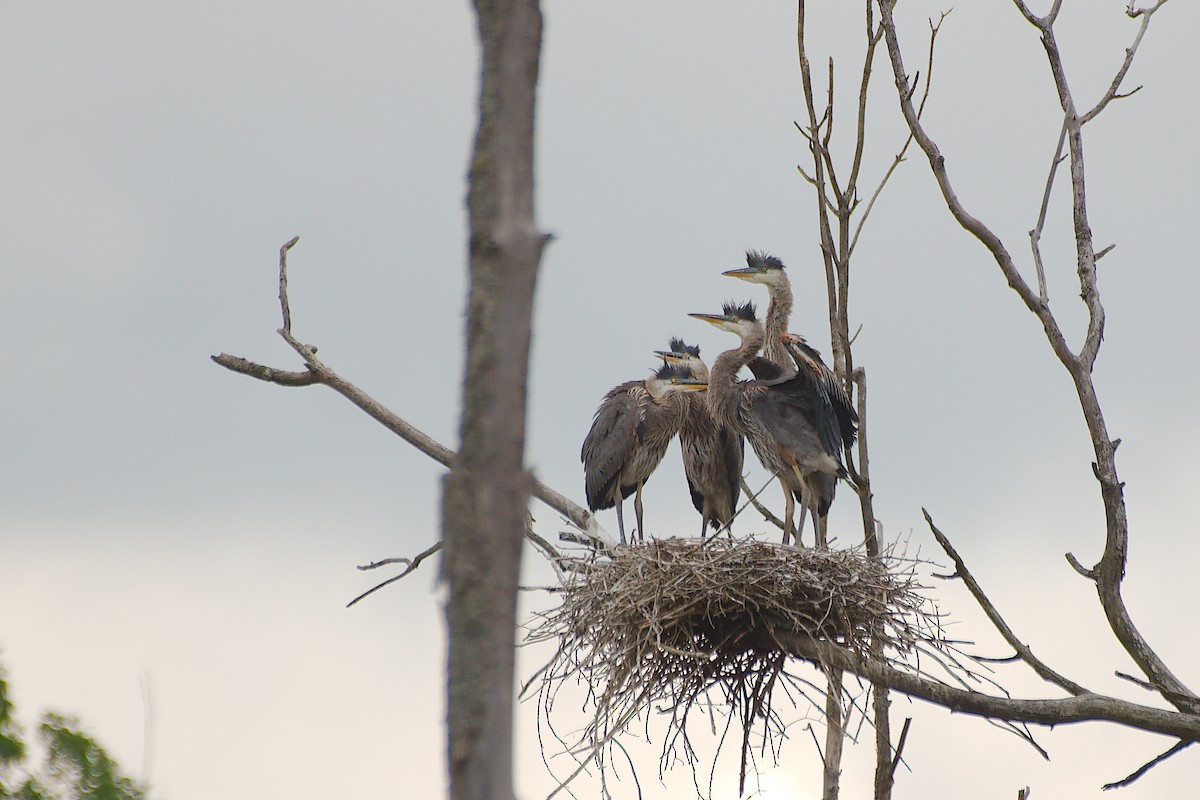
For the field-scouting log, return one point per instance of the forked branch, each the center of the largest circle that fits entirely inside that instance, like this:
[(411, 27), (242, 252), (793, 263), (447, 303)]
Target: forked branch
[(317, 372)]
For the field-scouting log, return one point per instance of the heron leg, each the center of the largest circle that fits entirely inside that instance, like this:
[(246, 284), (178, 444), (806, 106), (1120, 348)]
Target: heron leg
[(814, 492), (805, 499), (620, 522), (637, 509), (789, 510), (803, 517)]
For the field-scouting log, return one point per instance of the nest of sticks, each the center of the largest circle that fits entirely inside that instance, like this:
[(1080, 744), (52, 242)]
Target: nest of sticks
[(675, 625)]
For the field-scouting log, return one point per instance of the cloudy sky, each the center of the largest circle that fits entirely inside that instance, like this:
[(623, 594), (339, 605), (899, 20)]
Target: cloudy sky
[(177, 543)]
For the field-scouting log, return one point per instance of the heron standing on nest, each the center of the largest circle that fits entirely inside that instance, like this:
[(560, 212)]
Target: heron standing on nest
[(780, 346), (788, 419), (712, 452), (629, 436), (833, 401)]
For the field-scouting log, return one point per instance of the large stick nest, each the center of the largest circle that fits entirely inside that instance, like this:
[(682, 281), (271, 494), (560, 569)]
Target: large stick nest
[(665, 623)]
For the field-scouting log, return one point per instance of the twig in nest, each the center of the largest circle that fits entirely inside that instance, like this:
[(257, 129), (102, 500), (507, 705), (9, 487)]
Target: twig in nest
[(752, 500)]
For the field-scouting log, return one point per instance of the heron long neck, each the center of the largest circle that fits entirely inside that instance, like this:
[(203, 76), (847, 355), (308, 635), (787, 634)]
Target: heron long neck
[(778, 314), (671, 400), (724, 392)]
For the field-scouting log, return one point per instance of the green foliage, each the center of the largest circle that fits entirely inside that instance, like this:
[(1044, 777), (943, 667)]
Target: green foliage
[(12, 749), (77, 762), (75, 766)]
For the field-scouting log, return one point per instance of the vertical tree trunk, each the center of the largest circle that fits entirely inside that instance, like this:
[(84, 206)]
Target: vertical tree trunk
[(835, 736), (486, 494)]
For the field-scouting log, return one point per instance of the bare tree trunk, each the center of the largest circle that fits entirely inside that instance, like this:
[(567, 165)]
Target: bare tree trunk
[(486, 494), (837, 204), (835, 737)]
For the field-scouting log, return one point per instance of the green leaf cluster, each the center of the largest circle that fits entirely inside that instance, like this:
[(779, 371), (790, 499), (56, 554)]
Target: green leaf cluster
[(70, 765)]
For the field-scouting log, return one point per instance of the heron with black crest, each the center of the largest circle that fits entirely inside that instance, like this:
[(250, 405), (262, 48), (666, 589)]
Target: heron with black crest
[(712, 452), (789, 420), (629, 437)]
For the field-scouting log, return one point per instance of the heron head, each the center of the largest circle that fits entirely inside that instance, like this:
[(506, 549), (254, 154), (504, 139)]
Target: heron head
[(734, 318), (677, 345), (685, 354), (670, 378), (760, 268)]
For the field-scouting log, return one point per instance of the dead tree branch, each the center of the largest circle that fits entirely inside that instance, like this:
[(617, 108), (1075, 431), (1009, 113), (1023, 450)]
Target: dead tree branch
[(1114, 88), (752, 500), (839, 231), (1022, 650), (1048, 712), (1109, 572), (318, 373)]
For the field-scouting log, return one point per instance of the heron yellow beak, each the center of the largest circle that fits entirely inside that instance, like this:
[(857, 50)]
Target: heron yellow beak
[(745, 273), (711, 319)]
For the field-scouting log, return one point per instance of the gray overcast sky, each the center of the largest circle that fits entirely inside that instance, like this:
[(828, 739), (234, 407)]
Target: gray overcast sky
[(168, 521)]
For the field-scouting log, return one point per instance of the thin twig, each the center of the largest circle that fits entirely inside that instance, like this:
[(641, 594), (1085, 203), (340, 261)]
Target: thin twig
[(752, 500), (283, 293), (1149, 765), (1150, 687), (899, 159), (268, 374), (1035, 235), (900, 745), (1130, 52), (412, 565), (385, 562)]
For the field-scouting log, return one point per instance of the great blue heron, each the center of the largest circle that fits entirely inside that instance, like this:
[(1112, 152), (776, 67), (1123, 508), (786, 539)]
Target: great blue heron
[(779, 346), (788, 419), (629, 436), (712, 452), (833, 401)]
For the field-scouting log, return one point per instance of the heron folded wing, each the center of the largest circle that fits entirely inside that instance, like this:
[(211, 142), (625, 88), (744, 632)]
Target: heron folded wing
[(611, 440)]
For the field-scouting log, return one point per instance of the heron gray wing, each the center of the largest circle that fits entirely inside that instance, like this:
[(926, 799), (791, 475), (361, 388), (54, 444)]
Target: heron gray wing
[(611, 440), (733, 446), (694, 491), (808, 361), (764, 369), (712, 463), (798, 418)]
